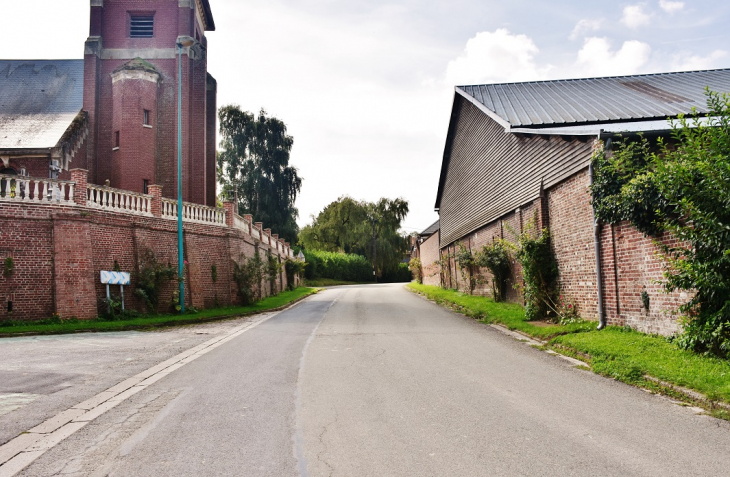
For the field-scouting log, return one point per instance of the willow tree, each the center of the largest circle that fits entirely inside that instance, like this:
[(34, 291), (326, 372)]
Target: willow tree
[(253, 167)]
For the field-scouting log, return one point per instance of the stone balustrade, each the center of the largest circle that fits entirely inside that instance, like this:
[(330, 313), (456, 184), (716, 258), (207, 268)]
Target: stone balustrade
[(118, 200), (36, 190)]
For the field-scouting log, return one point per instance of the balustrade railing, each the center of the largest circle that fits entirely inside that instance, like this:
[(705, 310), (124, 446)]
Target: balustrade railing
[(35, 190), (201, 214), (118, 200)]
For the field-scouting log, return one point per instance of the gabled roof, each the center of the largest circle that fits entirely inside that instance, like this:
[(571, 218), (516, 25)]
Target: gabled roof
[(39, 100), (596, 100), (430, 230)]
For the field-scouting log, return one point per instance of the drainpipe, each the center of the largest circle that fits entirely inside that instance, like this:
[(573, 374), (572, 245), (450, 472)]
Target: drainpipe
[(597, 247)]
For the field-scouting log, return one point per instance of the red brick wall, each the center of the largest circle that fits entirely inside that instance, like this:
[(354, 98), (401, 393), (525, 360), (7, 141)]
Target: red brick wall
[(429, 260), (630, 263), (157, 162), (59, 252)]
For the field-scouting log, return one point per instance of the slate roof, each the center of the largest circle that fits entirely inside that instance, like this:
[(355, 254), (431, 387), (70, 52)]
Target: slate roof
[(596, 100), (39, 100), (430, 230)]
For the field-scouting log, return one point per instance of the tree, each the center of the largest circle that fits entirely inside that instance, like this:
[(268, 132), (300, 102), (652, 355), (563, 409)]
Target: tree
[(253, 166), (681, 187), (370, 229)]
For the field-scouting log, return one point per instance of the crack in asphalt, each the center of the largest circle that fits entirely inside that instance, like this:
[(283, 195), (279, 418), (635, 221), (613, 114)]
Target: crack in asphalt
[(324, 446)]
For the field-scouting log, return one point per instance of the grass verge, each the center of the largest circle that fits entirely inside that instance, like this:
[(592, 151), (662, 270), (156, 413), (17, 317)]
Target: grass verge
[(155, 321), (622, 354)]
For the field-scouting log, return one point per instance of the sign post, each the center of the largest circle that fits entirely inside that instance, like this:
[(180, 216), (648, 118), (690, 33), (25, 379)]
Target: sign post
[(114, 278)]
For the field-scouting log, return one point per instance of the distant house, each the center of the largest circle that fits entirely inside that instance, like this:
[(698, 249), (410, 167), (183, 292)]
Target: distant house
[(426, 248), (519, 153)]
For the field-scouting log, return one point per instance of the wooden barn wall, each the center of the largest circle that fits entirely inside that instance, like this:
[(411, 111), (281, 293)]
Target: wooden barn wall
[(491, 173)]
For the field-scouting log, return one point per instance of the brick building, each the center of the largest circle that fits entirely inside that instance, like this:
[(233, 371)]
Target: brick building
[(520, 153), (114, 113), (426, 249)]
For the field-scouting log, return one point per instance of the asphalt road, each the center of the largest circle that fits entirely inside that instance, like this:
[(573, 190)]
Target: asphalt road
[(375, 381)]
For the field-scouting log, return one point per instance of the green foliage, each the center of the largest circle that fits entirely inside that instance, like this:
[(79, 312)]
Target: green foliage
[(150, 279), (539, 273), (498, 260), (273, 268), (688, 184), (465, 260), (253, 164), (293, 268), (8, 266), (337, 266), (399, 274), (416, 269), (370, 229), (248, 275), (214, 273)]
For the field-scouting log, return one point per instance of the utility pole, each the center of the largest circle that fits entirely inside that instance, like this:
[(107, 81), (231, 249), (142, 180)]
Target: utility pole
[(375, 276)]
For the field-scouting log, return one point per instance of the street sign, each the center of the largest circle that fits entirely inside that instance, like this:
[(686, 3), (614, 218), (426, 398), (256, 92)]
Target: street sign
[(114, 278)]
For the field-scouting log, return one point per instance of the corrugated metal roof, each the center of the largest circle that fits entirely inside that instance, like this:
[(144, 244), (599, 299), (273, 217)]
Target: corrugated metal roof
[(39, 100), (598, 100)]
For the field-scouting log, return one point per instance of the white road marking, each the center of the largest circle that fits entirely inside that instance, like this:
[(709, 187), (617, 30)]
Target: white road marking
[(18, 453)]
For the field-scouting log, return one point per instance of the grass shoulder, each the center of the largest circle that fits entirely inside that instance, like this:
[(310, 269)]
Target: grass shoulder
[(329, 282), (619, 353), (55, 326)]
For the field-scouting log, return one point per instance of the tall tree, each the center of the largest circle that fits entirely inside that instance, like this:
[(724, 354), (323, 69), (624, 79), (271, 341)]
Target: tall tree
[(253, 165), (370, 229)]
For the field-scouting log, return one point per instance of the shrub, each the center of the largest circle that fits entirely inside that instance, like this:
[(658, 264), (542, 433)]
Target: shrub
[(152, 275), (248, 275), (539, 273), (497, 259), (399, 274), (415, 267), (337, 266)]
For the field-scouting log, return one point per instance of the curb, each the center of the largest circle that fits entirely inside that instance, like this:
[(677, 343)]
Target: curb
[(166, 324)]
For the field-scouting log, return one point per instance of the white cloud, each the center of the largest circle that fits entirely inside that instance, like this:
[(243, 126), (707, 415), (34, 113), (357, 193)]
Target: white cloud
[(688, 62), (498, 56), (634, 16), (671, 7), (597, 59), (584, 26)]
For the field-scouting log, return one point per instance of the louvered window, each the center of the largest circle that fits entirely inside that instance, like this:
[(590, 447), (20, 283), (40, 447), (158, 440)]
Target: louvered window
[(141, 26)]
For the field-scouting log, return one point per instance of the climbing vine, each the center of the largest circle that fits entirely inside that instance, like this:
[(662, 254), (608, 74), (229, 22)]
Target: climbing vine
[(150, 279), (539, 272), (498, 260)]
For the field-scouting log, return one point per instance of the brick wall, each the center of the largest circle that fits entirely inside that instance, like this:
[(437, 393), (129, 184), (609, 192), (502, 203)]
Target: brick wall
[(59, 251), (429, 260), (630, 263)]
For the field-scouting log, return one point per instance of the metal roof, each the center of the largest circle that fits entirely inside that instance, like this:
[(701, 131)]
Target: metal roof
[(430, 230), (596, 100), (39, 100)]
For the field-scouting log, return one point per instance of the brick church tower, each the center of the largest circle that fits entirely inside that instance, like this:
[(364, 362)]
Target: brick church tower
[(130, 95)]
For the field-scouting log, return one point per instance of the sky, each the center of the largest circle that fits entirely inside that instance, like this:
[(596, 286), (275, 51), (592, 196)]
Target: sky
[(366, 88)]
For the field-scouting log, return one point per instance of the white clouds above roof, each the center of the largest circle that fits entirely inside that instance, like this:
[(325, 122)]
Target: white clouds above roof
[(586, 25), (498, 56), (635, 17), (596, 58)]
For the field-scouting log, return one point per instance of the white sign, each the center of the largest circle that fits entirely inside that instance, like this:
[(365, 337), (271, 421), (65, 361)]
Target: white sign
[(114, 278)]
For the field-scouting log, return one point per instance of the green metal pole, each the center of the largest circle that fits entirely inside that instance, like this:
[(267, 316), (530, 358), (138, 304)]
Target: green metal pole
[(180, 259)]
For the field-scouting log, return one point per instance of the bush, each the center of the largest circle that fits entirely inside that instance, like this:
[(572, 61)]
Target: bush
[(415, 266), (496, 258), (539, 273), (682, 188), (397, 275), (337, 266)]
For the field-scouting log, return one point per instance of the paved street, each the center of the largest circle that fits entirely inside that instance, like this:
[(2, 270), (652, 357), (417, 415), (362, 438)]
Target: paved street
[(355, 381)]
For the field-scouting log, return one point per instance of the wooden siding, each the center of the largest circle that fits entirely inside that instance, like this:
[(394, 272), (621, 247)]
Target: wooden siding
[(488, 172)]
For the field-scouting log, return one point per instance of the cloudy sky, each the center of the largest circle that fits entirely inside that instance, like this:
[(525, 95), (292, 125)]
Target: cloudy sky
[(366, 87)]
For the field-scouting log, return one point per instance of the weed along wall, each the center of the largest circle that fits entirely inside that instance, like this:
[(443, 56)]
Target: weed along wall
[(58, 236), (630, 267)]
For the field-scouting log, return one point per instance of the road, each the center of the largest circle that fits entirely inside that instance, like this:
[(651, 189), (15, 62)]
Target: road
[(359, 381)]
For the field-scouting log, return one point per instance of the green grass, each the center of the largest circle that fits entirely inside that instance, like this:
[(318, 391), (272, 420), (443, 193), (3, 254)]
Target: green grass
[(329, 282), (624, 355), (485, 309), (154, 321)]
